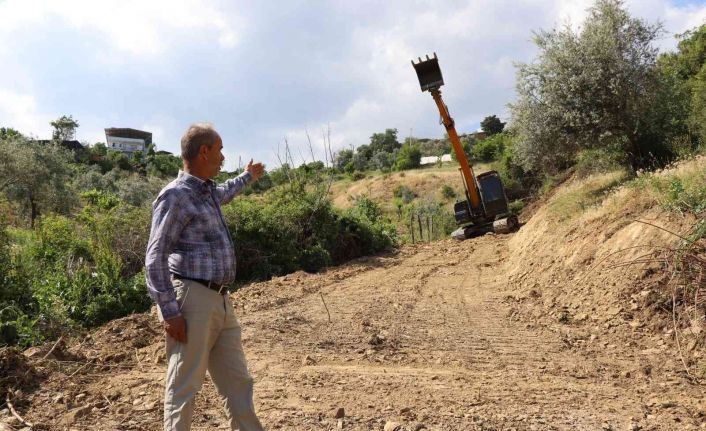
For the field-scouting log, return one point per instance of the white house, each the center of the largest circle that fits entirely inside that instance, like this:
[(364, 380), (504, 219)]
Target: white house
[(127, 140), (429, 160)]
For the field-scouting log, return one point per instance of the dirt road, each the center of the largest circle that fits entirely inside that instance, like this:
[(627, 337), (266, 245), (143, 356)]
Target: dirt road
[(424, 337)]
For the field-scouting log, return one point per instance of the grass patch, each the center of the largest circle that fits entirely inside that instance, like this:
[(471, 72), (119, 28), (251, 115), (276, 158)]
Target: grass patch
[(681, 190), (583, 194)]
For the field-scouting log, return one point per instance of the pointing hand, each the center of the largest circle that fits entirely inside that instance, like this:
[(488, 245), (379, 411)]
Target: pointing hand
[(256, 169)]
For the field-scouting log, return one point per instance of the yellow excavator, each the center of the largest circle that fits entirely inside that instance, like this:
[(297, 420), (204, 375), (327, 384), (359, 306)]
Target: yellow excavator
[(485, 207)]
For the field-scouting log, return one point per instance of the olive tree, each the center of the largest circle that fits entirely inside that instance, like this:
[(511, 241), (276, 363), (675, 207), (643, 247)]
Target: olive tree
[(35, 176), (594, 88), (64, 128)]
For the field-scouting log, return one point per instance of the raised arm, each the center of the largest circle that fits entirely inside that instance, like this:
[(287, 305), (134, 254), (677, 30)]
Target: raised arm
[(230, 188)]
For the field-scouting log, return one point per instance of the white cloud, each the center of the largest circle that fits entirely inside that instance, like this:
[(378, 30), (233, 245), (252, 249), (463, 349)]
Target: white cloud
[(262, 71), (135, 27), (19, 111)]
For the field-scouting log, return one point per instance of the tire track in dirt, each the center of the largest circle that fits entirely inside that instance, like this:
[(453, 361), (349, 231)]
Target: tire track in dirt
[(422, 336), (450, 358)]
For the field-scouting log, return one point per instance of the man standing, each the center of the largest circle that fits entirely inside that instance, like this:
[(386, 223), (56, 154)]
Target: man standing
[(190, 261)]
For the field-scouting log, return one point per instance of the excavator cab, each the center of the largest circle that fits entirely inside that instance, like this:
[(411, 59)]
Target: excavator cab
[(486, 206)]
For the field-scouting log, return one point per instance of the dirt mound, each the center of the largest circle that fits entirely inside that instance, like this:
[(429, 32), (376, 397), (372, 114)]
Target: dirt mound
[(118, 339), (595, 259), (16, 372)]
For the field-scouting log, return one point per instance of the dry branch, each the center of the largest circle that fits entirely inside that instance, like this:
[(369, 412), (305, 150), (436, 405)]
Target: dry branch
[(8, 402), (327, 312)]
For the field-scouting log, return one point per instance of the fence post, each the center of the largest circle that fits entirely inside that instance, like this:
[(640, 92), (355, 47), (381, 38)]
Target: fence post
[(411, 227), (421, 232), (431, 226)]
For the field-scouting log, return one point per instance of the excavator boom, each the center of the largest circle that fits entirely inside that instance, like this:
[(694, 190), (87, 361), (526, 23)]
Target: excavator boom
[(468, 178), (430, 79)]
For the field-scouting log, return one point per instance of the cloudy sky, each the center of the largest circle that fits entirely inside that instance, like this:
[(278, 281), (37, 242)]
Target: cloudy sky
[(263, 72)]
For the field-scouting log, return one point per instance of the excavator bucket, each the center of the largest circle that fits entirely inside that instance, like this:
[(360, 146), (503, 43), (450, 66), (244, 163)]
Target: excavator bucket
[(429, 73)]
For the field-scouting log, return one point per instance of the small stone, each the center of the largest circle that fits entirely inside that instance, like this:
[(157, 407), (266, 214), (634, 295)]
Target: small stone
[(339, 424), (308, 360), (392, 426), (340, 413), (74, 414), (376, 340)]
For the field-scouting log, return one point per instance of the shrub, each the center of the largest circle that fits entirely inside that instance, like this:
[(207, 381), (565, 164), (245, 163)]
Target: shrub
[(516, 206), (297, 228), (448, 192), (355, 176), (74, 273), (404, 193), (408, 157), (102, 200), (433, 215), (491, 148), (600, 160), (517, 181)]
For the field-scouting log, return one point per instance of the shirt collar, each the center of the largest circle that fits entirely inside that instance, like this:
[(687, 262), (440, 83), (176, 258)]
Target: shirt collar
[(193, 182)]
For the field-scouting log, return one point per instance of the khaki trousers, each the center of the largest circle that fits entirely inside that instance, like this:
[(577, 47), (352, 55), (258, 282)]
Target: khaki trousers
[(213, 345)]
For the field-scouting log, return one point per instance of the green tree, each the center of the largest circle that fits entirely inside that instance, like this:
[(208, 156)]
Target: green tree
[(64, 128), (409, 157), (383, 160), (343, 158), (594, 88), (386, 142), (684, 71), (492, 125), (7, 133), (163, 165), (138, 157), (99, 149), (120, 160), (36, 176), (491, 148)]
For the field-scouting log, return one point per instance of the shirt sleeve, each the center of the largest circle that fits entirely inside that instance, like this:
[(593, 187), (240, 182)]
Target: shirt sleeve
[(230, 188), (168, 220)]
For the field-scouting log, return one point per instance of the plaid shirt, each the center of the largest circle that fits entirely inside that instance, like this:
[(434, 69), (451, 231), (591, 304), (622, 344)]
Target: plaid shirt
[(189, 236)]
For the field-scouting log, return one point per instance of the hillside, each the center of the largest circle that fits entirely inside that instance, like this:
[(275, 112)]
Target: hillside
[(426, 183), (560, 326)]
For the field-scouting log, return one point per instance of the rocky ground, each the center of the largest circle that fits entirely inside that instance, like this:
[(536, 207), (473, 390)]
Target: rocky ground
[(430, 337)]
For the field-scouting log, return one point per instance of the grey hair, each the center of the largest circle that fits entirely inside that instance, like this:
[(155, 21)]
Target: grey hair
[(196, 135)]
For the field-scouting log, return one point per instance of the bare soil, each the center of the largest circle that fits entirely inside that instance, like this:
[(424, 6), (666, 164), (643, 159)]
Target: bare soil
[(434, 336)]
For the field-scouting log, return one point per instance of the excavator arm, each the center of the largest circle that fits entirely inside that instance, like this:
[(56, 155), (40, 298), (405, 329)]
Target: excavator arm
[(466, 170), (430, 79)]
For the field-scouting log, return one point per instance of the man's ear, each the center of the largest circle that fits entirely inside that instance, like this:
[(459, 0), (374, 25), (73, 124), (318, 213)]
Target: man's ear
[(203, 151)]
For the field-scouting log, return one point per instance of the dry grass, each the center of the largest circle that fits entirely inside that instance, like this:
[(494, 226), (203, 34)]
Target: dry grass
[(426, 183), (574, 198)]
